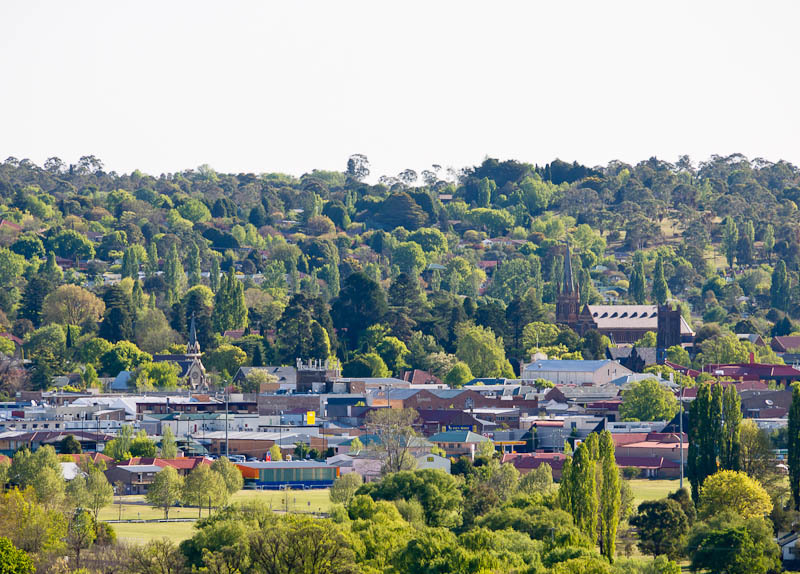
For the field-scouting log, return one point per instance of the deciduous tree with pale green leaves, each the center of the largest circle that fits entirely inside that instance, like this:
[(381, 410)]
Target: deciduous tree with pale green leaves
[(479, 348), (648, 400)]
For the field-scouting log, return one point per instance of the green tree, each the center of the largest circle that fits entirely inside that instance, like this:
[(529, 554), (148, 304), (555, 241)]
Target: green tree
[(459, 375), (730, 449), (609, 496), (730, 239), (660, 291), (582, 487), (705, 436), (638, 286), (230, 308), (70, 445), (193, 265), (734, 545), (484, 353), (213, 275), (662, 526), (769, 241), (142, 446), (174, 275), (123, 356), (793, 440), (229, 473), (155, 376), (119, 448), (165, 490), (41, 471), (168, 447), (733, 491), (409, 257), (781, 287), (13, 560), (648, 400), (202, 487), (345, 487)]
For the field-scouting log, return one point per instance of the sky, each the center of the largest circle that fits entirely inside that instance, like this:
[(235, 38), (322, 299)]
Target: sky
[(290, 86)]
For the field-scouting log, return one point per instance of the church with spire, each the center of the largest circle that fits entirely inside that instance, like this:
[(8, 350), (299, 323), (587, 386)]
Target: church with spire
[(622, 324), (192, 371)]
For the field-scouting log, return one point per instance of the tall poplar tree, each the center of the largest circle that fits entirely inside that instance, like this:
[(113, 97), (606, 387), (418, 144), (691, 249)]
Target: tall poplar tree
[(151, 268), (732, 417), (730, 239), (174, 275), (610, 497), (213, 275), (583, 493), (794, 446), (705, 436)]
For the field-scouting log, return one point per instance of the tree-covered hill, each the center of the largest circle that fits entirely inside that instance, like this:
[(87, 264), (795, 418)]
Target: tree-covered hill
[(441, 270)]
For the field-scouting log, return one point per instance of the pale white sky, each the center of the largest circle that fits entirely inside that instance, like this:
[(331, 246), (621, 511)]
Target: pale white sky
[(295, 85)]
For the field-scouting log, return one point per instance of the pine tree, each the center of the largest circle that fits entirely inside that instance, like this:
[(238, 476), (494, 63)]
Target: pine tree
[(732, 418), (794, 446), (51, 271), (193, 264), (638, 285), (213, 276), (258, 357), (660, 290), (610, 497)]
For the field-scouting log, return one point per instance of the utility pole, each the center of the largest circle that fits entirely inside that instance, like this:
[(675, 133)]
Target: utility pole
[(227, 396), (680, 425)]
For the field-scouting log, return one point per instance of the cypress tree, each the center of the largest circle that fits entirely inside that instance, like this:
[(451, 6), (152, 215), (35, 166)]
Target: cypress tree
[(660, 290), (213, 277), (137, 297), (258, 357), (130, 264), (638, 284), (794, 446), (732, 417), (152, 260), (609, 497), (194, 265), (779, 291)]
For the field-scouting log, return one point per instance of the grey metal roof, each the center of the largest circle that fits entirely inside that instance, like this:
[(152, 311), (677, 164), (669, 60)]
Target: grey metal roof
[(569, 366)]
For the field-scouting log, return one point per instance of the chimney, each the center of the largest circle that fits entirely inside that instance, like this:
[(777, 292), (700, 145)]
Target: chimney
[(752, 357)]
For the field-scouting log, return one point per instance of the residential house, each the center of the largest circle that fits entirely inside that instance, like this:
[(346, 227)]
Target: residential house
[(458, 443), (135, 479)]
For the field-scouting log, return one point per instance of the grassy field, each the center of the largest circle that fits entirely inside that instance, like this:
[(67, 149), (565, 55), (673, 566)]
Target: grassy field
[(644, 489), (136, 508)]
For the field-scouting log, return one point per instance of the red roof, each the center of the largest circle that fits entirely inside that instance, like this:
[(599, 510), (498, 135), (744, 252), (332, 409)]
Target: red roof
[(623, 438), (95, 457), (186, 462), (9, 224), (11, 337), (4, 458)]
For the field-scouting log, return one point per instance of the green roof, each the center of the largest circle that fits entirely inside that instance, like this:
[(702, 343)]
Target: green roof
[(457, 436)]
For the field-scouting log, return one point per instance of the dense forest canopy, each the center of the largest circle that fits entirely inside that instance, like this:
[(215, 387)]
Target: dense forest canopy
[(451, 271)]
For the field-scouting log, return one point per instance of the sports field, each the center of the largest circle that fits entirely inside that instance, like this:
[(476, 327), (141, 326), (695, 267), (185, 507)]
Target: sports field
[(136, 508)]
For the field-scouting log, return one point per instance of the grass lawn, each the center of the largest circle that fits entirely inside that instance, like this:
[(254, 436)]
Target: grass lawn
[(135, 507), (645, 489), (140, 532)]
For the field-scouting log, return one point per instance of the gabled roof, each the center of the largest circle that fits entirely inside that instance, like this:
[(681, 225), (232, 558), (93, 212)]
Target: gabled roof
[(639, 317), (458, 436), (569, 366)]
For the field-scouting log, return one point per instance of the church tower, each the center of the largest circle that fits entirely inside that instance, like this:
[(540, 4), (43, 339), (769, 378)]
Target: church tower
[(568, 301)]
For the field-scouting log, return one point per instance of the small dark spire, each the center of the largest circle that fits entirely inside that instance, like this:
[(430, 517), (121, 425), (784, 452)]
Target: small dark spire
[(569, 282)]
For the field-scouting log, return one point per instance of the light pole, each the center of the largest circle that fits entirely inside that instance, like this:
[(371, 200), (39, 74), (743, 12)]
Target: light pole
[(227, 396), (680, 427)]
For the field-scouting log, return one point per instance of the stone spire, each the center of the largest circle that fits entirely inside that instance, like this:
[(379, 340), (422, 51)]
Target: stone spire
[(568, 287)]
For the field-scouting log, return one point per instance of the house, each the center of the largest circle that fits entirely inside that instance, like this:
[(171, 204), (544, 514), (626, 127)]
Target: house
[(754, 338), (528, 461), (11, 441), (790, 555), (365, 463), (765, 403), (752, 371), (785, 343), (575, 372), (17, 344), (656, 445), (458, 443), (434, 421), (433, 461), (420, 377), (134, 478)]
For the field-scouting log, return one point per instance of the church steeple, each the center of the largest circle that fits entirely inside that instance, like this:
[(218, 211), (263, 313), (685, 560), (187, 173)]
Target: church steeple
[(568, 301), (193, 346)]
